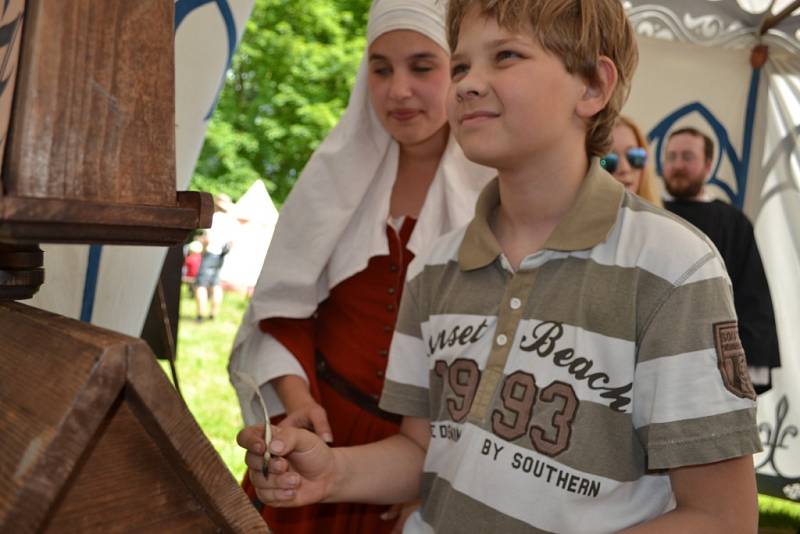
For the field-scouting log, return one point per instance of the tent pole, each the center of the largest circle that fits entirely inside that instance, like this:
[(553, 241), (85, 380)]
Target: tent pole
[(770, 20)]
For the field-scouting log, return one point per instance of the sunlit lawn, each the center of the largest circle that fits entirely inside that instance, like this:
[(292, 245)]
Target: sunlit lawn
[(202, 372), (203, 377)]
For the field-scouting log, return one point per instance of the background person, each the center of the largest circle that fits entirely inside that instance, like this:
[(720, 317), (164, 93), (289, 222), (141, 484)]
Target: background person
[(217, 241), (687, 165), (381, 187), (628, 161)]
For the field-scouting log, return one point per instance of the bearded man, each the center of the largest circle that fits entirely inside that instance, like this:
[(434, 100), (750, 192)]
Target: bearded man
[(689, 157)]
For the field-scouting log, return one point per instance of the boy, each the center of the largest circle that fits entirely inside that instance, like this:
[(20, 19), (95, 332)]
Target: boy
[(569, 362)]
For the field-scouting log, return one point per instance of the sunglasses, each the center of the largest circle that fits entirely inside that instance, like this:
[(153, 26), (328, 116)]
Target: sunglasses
[(636, 156)]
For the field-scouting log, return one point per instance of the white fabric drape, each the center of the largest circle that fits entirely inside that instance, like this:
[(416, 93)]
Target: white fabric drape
[(335, 218)]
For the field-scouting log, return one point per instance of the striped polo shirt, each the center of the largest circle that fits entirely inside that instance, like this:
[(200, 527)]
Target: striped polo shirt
[(560, 393)]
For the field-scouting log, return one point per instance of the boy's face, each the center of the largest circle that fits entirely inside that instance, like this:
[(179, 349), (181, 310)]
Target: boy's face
[(511, 102)]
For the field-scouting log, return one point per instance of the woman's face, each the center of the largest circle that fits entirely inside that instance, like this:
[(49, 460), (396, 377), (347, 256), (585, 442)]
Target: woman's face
[(408, 81), (623, 139)]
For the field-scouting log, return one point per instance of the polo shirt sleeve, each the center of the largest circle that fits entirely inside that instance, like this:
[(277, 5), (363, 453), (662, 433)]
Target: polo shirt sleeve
[(693, 401), (405, 391)]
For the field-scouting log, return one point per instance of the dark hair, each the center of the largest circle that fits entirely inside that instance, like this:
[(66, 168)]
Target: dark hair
[(708, 144)]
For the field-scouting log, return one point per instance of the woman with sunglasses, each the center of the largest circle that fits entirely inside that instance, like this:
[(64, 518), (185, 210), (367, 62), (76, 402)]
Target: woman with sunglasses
[(384, 184), (627, 161)]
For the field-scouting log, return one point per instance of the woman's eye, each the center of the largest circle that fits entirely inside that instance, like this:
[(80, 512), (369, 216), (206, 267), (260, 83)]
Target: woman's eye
[(421, 68), (382, 71), (507, 54)]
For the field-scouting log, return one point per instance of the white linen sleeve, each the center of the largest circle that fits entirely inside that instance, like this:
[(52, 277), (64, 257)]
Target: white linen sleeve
[(264, 358)]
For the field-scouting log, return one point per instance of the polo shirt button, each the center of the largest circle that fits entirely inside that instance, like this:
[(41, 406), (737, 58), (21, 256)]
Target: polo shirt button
[(374, 397), (393, 268), (379, 374), (383, 352), (387, 329), (501, 340), (390, 307), (515, 303), (392, 291)]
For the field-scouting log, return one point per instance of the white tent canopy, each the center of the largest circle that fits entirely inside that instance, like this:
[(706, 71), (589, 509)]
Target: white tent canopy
[(257, 217), (695, 69)]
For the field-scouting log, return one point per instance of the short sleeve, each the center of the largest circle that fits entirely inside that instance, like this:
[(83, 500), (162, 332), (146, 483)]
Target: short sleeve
[(693, 400)]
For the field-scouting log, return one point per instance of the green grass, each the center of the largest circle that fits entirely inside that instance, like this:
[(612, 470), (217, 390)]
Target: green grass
[(778, 513), (202, 372), (203, 377)]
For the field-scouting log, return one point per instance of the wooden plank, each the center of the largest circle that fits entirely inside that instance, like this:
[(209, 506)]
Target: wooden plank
[(61, 390), (125, 484), (165, 417), (52, 220), (64, 211), (94, 113), (77, 391)]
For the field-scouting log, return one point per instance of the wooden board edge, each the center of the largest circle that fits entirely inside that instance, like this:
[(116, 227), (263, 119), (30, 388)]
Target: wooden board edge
[(168, 419), (49, 476)]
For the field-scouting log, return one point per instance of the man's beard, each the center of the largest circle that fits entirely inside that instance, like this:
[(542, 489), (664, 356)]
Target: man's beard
[(681, 187)]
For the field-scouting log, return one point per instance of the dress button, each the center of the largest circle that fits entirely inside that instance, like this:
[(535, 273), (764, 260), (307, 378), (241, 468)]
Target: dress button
[(392, 290), (515, 303), (393, 268), (374, 397), (379, 374), (387, 329), (390, 307), (501, 340), (383, 352)]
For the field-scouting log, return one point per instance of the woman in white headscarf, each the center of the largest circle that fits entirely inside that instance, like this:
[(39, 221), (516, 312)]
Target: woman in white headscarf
[(384, 184)]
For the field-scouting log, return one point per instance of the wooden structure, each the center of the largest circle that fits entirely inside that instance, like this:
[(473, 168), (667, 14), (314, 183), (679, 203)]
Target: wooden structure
[(90, 156), (93, 438)]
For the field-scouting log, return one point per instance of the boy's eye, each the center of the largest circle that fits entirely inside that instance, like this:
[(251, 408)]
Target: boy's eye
[(507, 54), (458, 70)]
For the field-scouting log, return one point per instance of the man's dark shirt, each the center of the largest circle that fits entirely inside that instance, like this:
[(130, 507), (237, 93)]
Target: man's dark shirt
[(732, 233)]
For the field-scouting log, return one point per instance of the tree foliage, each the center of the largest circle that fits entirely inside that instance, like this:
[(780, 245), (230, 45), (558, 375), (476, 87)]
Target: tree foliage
[(288, 85)]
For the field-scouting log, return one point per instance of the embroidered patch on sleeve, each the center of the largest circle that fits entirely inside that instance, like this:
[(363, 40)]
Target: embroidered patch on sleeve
[(731, 360)]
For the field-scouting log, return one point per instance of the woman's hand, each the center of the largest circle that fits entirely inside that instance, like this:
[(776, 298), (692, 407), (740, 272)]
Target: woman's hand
[(310, 416), (301, 471), (302, 411)]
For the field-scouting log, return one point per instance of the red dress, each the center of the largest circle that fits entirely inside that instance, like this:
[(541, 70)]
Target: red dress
[(353, 330)]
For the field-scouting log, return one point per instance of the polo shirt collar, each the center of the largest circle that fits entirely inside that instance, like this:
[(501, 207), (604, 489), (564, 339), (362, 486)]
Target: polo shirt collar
[(587, 223)]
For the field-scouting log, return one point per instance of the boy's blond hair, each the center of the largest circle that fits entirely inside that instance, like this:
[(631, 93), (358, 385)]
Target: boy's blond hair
[(576, 31)]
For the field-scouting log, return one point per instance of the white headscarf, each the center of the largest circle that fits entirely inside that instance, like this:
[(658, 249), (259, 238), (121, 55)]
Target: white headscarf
[(334, 220)]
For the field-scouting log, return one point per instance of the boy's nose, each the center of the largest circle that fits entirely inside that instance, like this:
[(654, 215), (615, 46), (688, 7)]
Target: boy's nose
[(470, 87)]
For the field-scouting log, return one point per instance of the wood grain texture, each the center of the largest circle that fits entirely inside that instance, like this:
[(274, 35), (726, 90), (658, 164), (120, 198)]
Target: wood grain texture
[(61, 390), (51, 220), (95, 439), (166, 417), (93, 117), (125, 483)]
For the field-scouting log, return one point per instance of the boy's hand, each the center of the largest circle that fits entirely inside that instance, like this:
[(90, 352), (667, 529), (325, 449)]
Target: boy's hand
[(301, 471)]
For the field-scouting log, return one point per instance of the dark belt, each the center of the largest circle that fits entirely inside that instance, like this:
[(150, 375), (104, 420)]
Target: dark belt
[(347, 390)]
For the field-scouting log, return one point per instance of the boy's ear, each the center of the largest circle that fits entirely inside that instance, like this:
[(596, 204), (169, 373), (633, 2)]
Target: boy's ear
[(598, 92)]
